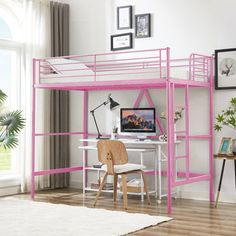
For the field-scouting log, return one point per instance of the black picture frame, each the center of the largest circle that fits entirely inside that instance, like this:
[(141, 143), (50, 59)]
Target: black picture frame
[(225, 69), (124, 17), (143, 25), (121, 41)]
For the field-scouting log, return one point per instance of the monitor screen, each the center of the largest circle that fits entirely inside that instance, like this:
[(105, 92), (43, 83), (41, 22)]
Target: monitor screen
[(137, 120)]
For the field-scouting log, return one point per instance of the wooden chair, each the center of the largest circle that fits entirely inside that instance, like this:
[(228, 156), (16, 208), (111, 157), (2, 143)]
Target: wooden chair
[(114, 156)]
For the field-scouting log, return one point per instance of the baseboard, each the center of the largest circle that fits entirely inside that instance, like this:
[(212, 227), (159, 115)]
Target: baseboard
[(194, 195), (204, 196), (11, 190), (76, 184)]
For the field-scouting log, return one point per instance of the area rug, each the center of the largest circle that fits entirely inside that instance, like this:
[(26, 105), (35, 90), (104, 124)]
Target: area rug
[(29, 218)]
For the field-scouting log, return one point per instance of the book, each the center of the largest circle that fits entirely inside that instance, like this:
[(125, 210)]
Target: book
[(107, 186)]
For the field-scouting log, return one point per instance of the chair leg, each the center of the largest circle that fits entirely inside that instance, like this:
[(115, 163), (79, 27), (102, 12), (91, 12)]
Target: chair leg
[(124, 186), (115, 188), (145, 187), (100, 188)]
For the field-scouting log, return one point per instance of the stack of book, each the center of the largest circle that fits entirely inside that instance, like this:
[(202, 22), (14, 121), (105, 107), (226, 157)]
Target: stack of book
[(107, 186), (133, 186)]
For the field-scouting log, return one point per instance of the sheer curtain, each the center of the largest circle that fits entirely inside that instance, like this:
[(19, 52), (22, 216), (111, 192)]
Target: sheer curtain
[(36, 43)]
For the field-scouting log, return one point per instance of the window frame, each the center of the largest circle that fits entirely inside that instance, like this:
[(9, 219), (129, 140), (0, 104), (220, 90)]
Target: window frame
[(14, 45)]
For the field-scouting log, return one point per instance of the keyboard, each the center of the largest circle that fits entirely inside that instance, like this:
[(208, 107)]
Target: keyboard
[(128, 139)]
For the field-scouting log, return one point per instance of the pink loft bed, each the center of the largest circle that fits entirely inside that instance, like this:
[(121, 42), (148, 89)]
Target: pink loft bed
[(140, 70)]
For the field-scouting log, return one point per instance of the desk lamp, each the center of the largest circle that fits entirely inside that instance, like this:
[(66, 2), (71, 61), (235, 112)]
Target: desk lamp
[(113, 106)]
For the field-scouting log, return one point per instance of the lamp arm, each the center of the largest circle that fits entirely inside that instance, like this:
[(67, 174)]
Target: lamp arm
[(95, 121), (104, 103), (92, 113)]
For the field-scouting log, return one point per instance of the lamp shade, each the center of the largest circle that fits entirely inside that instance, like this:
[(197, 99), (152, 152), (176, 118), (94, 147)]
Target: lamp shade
[(113, 104)]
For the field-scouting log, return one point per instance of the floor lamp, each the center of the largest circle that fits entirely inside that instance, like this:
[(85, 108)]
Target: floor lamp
[(113, 106)]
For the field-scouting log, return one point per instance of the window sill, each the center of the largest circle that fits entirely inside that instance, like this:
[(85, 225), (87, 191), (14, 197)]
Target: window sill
[(9, 180)]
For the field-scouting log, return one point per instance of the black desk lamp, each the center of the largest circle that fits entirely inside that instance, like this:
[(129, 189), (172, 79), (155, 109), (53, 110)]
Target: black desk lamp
[(113, 106)]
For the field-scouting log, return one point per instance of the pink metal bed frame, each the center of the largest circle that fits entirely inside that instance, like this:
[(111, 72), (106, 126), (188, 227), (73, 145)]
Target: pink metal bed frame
[(125, 64)]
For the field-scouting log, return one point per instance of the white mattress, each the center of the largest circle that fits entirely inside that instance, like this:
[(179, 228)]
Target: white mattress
[(75, 71)]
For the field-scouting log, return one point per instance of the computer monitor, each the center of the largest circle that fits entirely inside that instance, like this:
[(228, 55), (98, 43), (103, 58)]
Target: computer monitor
[(140, 121)]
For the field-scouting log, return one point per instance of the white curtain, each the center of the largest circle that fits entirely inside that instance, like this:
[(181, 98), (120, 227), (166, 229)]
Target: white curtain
[(36, 44)]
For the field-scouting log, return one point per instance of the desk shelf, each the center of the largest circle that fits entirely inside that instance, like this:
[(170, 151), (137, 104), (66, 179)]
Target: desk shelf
[(118, 191), (100, 169)]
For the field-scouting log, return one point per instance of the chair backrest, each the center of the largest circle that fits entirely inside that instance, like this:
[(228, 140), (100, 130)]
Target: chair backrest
[(111, 152)]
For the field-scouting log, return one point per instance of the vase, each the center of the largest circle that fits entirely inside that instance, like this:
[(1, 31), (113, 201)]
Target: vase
[(114, 135)]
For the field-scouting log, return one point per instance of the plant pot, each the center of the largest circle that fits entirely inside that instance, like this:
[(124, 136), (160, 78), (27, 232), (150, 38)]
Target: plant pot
[(114, 135)]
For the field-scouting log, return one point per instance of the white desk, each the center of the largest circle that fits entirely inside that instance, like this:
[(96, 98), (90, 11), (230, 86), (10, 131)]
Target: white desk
[(138, 146), (85, 168)]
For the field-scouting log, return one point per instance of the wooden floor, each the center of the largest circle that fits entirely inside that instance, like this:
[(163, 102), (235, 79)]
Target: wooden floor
[(189, 217)]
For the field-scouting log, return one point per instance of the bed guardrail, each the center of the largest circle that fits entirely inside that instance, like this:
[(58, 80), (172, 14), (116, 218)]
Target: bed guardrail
[(128, 65)]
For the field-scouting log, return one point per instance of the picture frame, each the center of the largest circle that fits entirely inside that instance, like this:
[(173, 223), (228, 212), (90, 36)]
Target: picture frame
[(225, 145), (143, 25), (225, 68), (124, 17), (121, 41)]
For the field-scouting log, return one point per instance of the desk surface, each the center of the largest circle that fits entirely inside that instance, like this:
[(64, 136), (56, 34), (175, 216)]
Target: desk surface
[(230, 156), (128, 149), (133, 141)]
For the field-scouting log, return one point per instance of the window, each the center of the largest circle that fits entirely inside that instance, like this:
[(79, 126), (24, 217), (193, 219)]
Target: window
[(5, 32), (9, 81)]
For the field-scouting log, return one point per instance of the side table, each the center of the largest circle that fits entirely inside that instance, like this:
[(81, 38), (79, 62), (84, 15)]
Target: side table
[(224, 157)]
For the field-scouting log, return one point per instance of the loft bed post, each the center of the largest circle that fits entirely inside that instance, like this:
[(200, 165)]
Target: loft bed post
[(85, 115), (85, 131), (172, 124), (187, 141), (169, 131), (33, 131), (211, 193)]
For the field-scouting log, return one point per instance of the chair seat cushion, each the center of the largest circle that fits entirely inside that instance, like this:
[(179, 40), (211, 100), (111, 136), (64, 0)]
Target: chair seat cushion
[(118, 169)]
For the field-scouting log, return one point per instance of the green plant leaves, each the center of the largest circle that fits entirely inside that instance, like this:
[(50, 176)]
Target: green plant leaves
[(3, 97), (9, 141), (220, 118), (233, 101), (217, 127), (11, 123), (227, 117)]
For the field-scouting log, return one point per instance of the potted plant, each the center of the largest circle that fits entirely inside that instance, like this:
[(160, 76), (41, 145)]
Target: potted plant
[(227, 118), (177, 116), (11, 123), (114, 133)]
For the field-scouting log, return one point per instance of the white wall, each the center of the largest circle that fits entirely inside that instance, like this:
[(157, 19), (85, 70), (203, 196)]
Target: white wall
[(184, 25)]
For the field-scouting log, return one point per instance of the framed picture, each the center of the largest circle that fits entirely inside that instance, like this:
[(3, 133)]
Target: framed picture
[(121, 41), (225, 68), (143, 26), (124, 17), (225, 145)]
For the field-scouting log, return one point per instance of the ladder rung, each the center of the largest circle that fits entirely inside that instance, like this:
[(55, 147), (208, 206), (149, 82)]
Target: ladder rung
[(179, 157), (180, 131)]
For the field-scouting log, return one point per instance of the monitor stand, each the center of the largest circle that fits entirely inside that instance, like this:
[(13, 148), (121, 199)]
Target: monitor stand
[(141, 137), (103, 138)]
